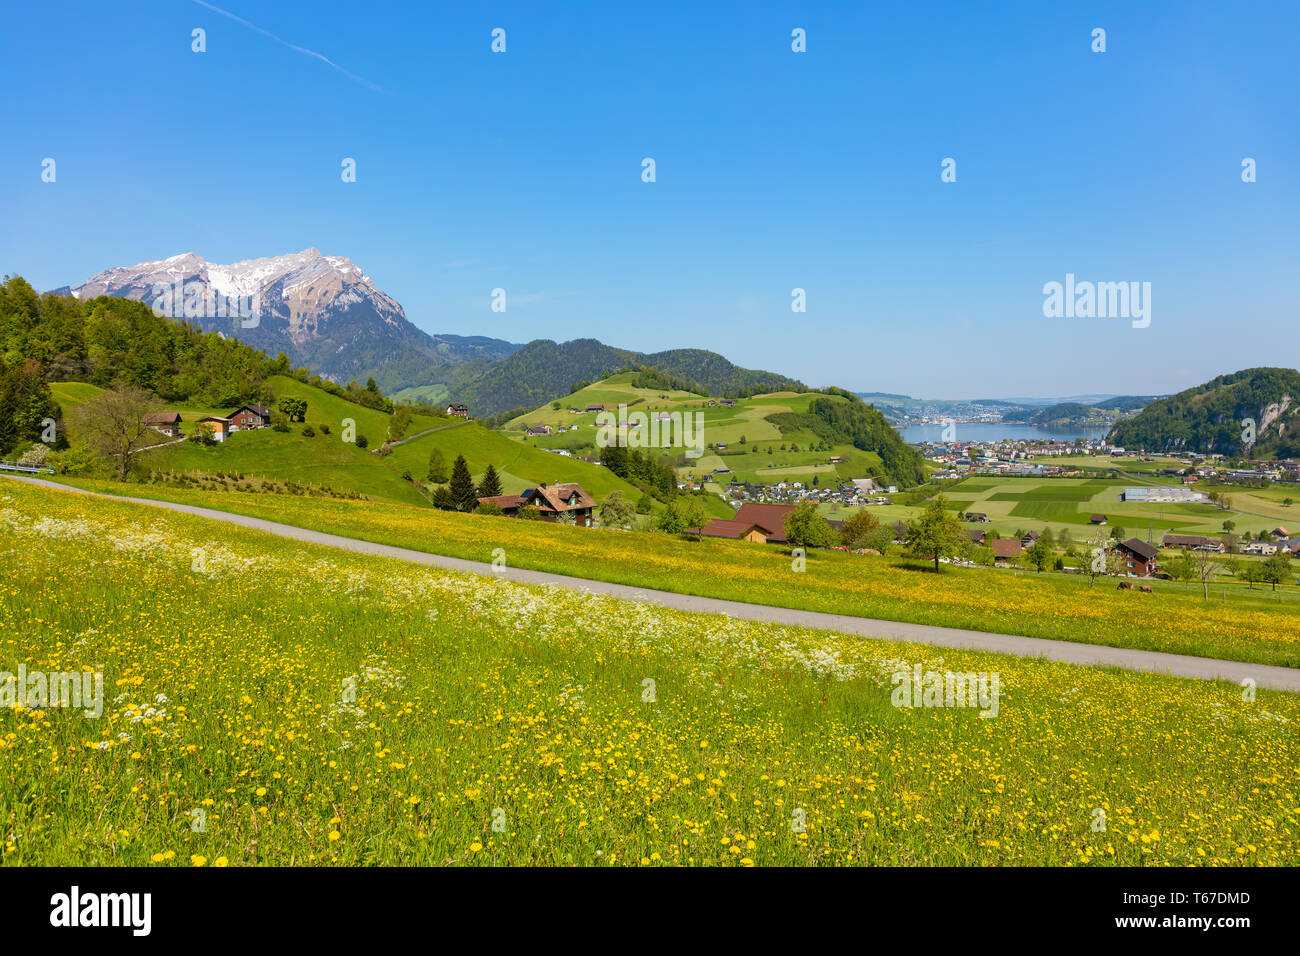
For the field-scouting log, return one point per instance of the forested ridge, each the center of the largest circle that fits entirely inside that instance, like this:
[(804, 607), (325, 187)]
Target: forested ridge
[(1211, 418)]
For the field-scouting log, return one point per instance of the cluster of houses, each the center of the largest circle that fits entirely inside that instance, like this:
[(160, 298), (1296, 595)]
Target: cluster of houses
[(538, 431), (1006, 457), (244, 418), (855, 493), (1279, 539), (1023, 457), (1141, 558)]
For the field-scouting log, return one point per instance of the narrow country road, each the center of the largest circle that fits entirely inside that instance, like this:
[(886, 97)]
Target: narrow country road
[(1278, 678), (427, 431)]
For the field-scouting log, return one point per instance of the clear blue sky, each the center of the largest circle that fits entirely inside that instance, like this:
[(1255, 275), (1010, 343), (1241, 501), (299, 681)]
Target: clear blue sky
[(819, 170)]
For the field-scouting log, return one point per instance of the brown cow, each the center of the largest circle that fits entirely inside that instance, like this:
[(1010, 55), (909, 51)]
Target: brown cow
[(1124, 586), (1145, 589)]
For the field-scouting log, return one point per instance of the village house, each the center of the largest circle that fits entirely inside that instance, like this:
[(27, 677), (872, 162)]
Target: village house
[(1279, 534), (1194, 542), (1005, 550), (165, 423), (216, 426), (552, 502), (729, 528), (1139, 557), (595, 407), (539, 430), (1097, 519), (457, 410), (770, 519), (1264, 548), (247, 417)]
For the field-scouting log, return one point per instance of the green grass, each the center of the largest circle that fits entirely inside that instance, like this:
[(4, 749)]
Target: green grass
[(497, 724), (331, 462), (721, 425), (1029, 504), (1052, 606), (433, 394)]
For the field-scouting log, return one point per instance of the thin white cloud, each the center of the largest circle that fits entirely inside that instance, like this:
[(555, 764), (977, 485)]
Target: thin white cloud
[(292, 46)]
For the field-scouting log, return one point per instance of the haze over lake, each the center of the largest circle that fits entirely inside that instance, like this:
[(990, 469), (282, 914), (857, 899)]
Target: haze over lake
[(994, 432)]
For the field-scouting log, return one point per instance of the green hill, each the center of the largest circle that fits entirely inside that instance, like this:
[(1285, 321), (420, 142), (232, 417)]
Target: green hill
[(544, 370), (329, 462), (1209, 418), (770, 437)]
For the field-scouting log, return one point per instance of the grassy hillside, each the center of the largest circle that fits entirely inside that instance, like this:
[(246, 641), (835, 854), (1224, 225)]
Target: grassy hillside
[(1257, 628), (481, 702), (759, 458), (328, 461)]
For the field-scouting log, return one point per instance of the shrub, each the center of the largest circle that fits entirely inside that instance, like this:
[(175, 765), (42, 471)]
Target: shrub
[(362, 441), (308, 431), (38, 455), (324, 429)]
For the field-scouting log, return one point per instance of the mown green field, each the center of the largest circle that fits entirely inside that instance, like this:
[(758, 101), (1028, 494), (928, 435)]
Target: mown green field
[(272, 703), (1060, 607), (1031, 503)]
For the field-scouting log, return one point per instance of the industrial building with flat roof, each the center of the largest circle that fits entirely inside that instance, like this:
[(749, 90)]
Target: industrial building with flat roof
[(1162, 493)]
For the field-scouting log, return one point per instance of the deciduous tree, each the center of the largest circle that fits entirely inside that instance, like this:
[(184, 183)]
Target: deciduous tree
[(112, 424), (936, 534)]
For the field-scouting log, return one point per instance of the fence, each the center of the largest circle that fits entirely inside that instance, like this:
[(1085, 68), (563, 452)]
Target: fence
[(29, 469)]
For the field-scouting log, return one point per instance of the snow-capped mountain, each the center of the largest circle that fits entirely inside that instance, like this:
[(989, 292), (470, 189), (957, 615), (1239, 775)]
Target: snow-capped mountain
[(322, 311)]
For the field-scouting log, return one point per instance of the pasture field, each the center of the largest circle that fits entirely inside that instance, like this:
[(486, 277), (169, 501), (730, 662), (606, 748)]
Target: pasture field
[(268, 702), (71, 394), (1031, 503), (1267, 504), (759, 459), (1061, 607)]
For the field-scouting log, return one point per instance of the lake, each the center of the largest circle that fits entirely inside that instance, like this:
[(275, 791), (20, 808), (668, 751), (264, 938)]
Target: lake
[(915, 434)]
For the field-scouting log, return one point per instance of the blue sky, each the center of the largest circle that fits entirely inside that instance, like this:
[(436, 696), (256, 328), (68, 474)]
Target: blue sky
[(775, 170)]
